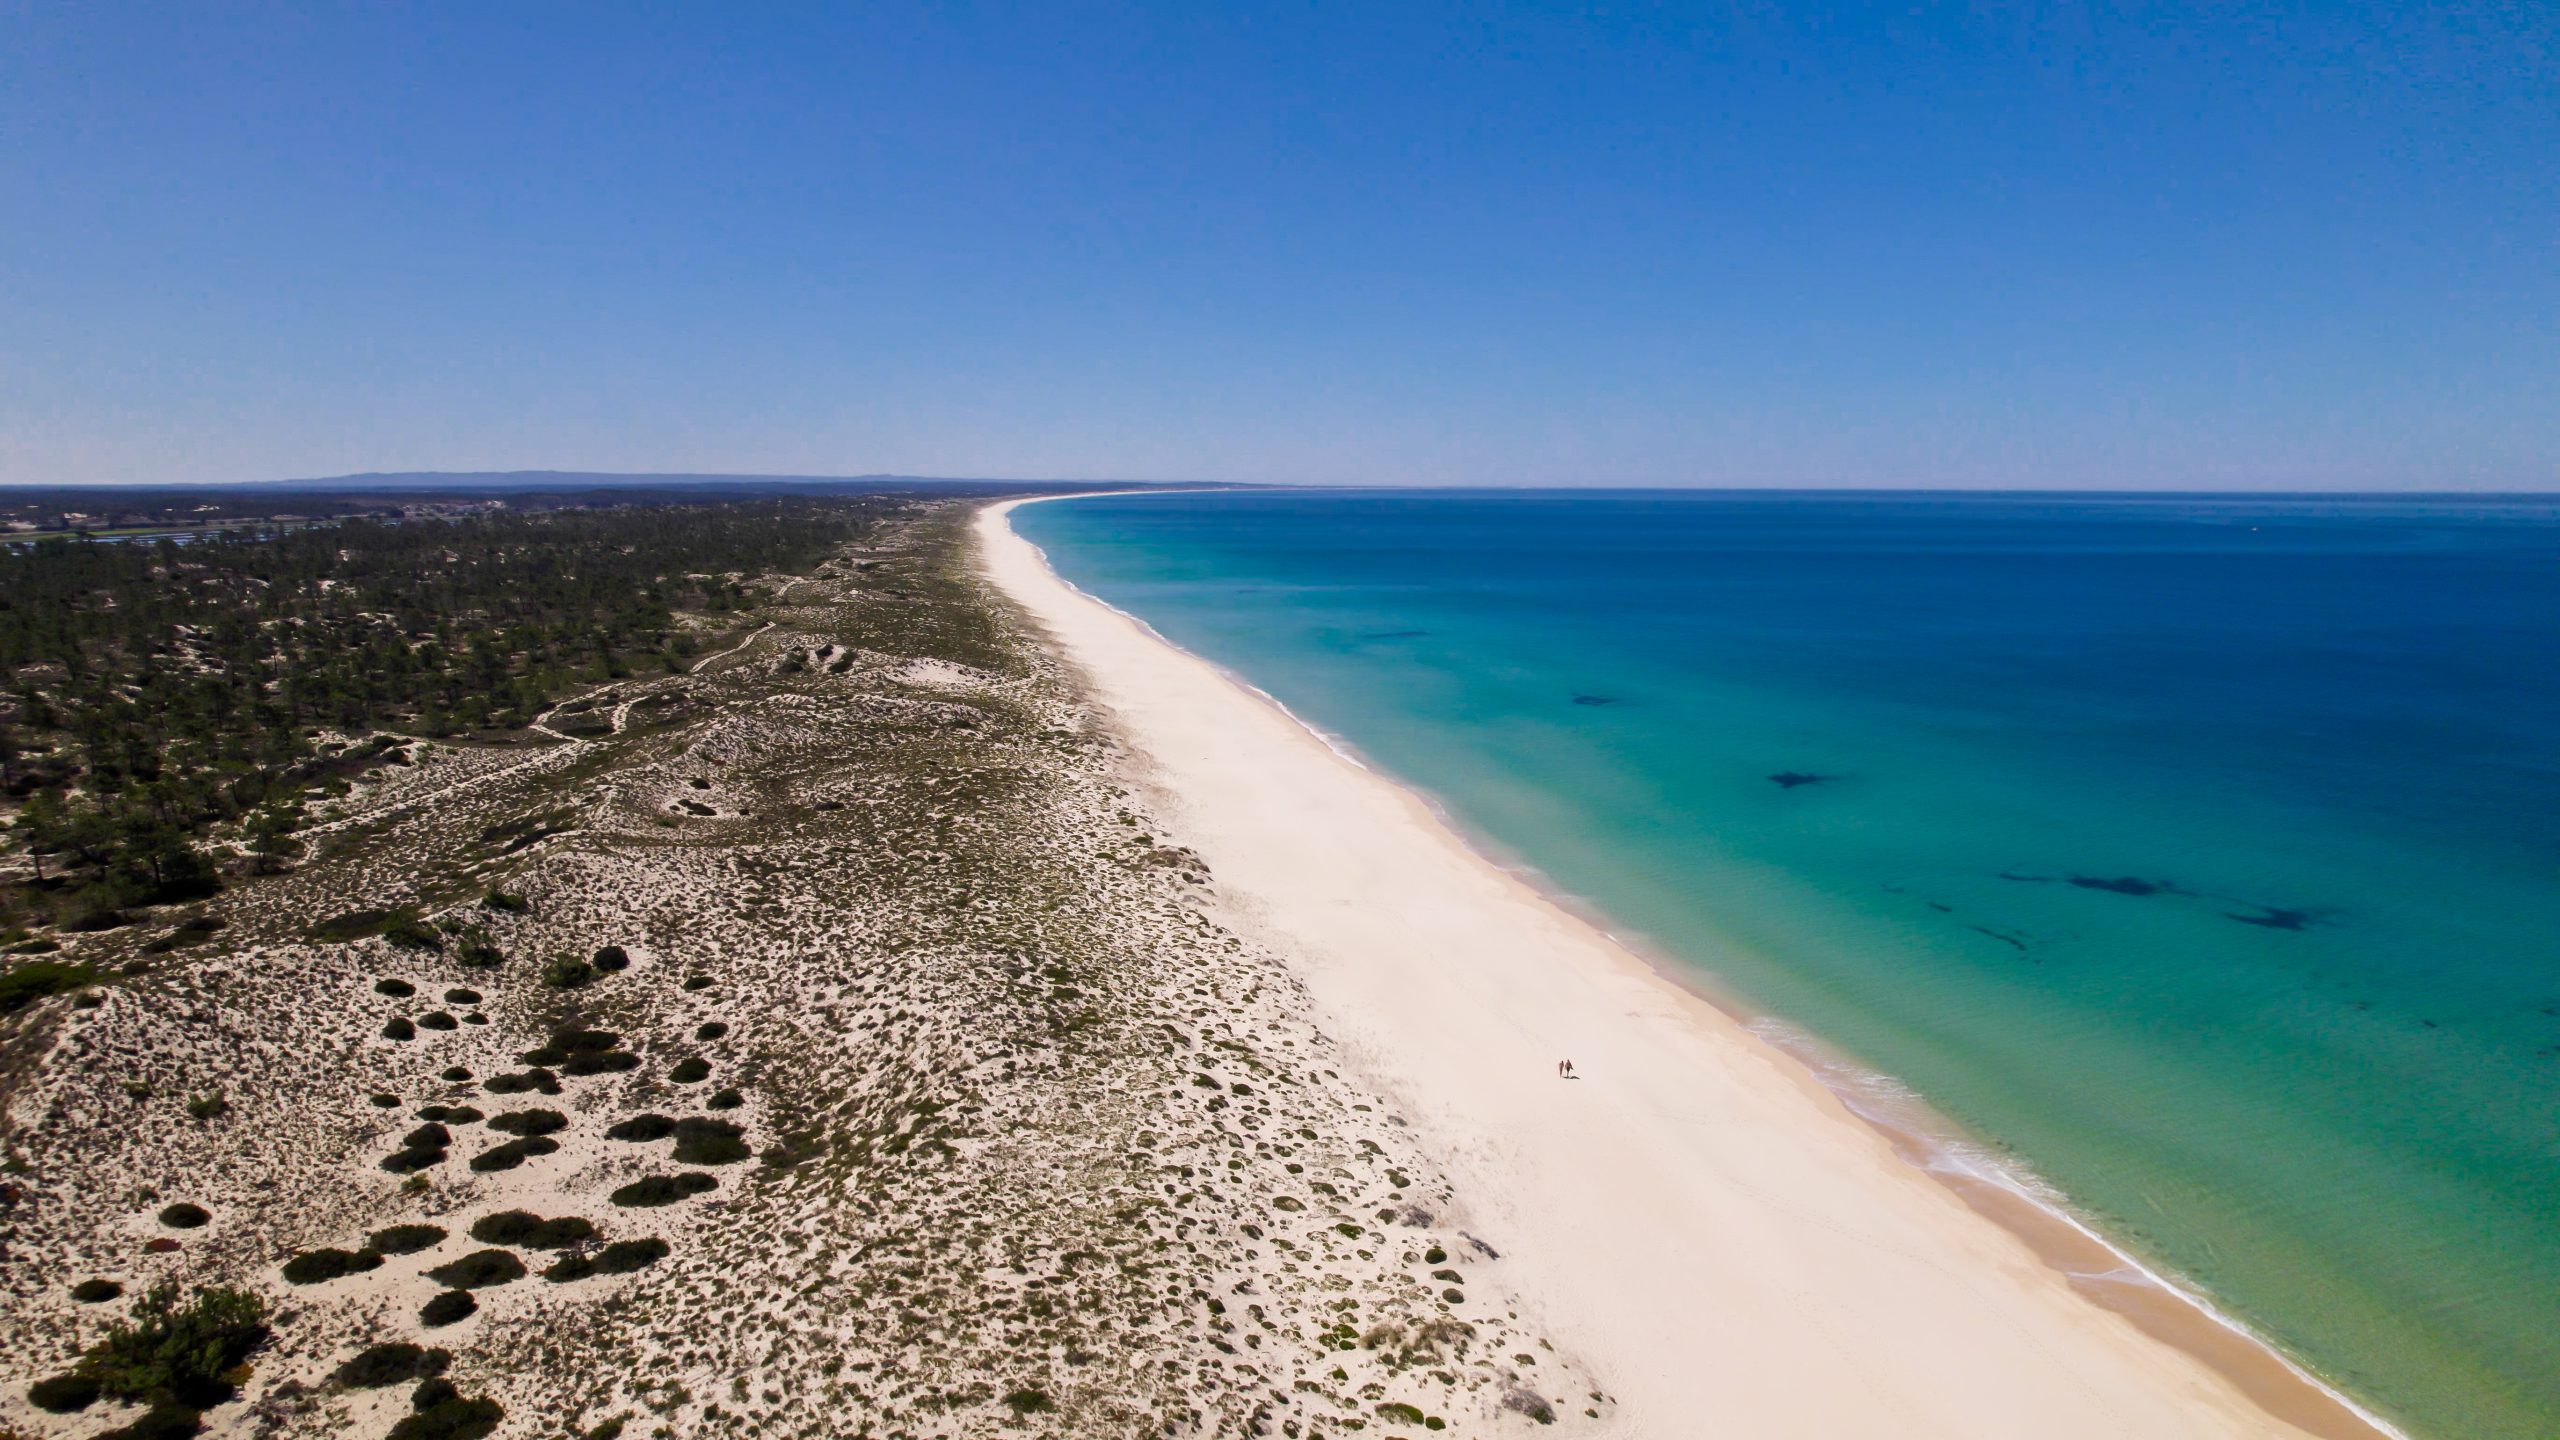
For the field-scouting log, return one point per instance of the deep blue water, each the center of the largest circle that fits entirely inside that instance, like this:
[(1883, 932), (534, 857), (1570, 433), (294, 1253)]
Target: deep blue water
[(2202, 853)]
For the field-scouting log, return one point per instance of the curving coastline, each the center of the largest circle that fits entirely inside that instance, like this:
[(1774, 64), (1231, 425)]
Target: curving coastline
[(1695, 1217)]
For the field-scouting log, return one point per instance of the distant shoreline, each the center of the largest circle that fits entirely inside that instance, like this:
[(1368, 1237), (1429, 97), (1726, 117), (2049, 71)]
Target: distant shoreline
[(1209, 736)]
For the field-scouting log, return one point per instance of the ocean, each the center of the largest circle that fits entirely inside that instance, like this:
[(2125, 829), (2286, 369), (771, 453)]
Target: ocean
[(2197, 855)]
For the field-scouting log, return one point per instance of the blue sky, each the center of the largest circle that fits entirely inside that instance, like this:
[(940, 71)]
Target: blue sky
[(2238, 247)]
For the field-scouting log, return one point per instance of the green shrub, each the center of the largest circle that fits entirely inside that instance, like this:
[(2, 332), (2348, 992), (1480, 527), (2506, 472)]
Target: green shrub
[(710, 1030), (625, 1256), (399, 1028), (709, 1142), (386, 1101), (389, 1364), (96, 1292), (406, 1239), (567, 974), (642, 1127), (430, 1136), (414, 1159), (505, 902), (658, 1190), (439, 1020), (353, 925), (457, 1074), (567, 1042), (171, 1352), (450, 1418), (622, 1257), (64, 1394), (446, 1308), (433, 1391), (96, 909), (314, 1267), (512, 1154), (479, 1270), (462, 997), (537, 1078), (601, 1062), (396, 989), (208, 1107), (528, 1122), (610, 958), (725, 1100), (691, 1069), (697, 982), (528, 1231), (184, 1216), (478, 953), (406, 931), (1029, 1402)]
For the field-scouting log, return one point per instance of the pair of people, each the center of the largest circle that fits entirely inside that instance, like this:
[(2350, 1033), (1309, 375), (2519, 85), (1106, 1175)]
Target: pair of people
[(1564, 1070)]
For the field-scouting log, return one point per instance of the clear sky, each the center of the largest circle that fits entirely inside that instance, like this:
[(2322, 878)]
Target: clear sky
[(2236, 246)]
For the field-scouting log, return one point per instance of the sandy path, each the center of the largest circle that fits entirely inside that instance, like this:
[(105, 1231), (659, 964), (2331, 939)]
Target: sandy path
[(1730, 1248)]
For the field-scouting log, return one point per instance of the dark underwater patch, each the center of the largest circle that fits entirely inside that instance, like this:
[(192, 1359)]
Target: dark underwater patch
[(1581, 699), (1790, 779), (2125, 885)]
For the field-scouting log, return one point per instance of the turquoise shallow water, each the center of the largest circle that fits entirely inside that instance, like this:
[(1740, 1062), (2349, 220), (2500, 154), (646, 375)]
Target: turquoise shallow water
[(2201, 853)]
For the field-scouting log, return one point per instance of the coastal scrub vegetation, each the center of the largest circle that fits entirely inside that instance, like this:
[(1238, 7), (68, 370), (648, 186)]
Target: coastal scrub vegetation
[(622, 1257), (161, 695), (478, 1270), (315, 1267), (169, 1354), (33, 980), (528, 1231), (657, 1190), (390, 1363), (986, 1186), (513, 1153), (440, 1411), (406, 1239)]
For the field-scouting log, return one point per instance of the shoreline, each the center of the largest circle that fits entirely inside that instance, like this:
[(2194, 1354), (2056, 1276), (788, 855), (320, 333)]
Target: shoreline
[(1930, 1322)]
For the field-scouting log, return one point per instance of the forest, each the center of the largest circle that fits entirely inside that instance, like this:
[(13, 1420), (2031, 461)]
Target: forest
[(172, 701)]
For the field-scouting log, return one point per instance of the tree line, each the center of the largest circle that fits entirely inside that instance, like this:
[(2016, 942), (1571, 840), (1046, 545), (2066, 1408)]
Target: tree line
[(159, 690)]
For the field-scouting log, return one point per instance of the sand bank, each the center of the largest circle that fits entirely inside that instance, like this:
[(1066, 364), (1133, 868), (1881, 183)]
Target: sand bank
[(1727, 1246)]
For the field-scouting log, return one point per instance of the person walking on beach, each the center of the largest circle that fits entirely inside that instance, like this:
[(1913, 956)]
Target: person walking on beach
[(1564, 1070)]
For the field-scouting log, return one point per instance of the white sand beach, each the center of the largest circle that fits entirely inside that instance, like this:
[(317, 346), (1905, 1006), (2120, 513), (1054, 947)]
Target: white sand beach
[(1696, 1218)]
